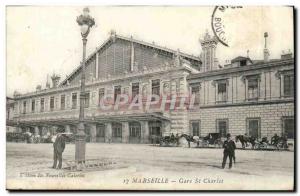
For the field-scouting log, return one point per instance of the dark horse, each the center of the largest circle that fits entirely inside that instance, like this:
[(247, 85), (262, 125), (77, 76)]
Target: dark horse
[(245, 139)]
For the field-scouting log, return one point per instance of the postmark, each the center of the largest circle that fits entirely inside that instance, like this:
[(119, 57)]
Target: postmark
[(218, 21)]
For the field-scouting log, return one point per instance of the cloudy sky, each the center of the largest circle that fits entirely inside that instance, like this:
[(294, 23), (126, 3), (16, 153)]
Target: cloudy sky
[(44, 40)]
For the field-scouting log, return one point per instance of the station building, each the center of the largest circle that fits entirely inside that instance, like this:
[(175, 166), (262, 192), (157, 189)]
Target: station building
[(243, 96)]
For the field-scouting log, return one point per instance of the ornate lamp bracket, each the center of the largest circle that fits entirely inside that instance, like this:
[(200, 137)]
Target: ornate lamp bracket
[(85, 19)]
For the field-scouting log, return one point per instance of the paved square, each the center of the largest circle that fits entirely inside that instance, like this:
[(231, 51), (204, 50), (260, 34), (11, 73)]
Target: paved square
[(142, 166)]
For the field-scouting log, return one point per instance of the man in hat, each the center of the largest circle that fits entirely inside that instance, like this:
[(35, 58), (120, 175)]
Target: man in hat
[(229, 148), (59, 147)]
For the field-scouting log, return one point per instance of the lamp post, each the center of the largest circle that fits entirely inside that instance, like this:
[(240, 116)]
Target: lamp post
[(85, 21)]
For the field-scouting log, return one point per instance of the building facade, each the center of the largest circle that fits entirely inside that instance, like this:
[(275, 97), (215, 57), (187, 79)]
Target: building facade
[(244, 96), (257, 99)]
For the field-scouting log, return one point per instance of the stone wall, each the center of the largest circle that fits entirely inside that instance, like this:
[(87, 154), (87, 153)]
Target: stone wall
[(270, 117)]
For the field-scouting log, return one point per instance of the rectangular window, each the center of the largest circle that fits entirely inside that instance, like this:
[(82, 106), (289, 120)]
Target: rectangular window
[(134, 130), (243, 63), (253, 127), (222, 127), (100, 131), (24, 107), (288, 127), (62, 102), (155, 87), (288, 85), (101, 94), (42, 104), (32, 105), (195, 125), (135, 90), (117, 91), (74, 100), (196, 93), (222, 91), (117, 130), (51, 103), (87, 100), (253, 88)]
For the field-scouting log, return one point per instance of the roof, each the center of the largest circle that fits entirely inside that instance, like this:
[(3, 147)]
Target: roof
[(130, 39), (240, 58), (258, 66)]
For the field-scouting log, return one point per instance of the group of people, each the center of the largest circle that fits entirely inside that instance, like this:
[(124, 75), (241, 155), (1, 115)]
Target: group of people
[(60, 143), (228, 146)]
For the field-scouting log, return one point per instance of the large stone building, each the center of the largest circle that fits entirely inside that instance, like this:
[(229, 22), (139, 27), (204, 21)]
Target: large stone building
[(243, 96)]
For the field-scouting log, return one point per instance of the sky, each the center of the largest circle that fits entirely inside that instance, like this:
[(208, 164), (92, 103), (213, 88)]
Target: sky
[(43, 40)]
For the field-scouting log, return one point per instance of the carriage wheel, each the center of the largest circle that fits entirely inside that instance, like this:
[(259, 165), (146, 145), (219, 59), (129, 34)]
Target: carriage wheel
[(161, 143)]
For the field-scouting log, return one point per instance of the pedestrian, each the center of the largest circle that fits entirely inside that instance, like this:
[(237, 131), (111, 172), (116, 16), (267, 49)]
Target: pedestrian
[(229, 148), (59, 147)]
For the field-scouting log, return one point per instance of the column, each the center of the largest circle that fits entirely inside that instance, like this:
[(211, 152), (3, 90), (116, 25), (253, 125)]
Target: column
[(145, 132), (125, 132), (67, 129), (45, 131), (36, 130), (19, 129), (93, 132), (173, 86), (166, 128), (97, 65), (108, 133)]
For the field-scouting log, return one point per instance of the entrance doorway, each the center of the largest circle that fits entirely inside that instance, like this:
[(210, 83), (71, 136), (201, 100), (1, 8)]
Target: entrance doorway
[(155, 128), (100, 133), (116, 132), (134, 132), (87, 131)]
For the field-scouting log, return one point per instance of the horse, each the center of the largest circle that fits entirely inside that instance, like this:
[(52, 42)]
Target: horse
[(245, 139), (280, 143), (189, 139)]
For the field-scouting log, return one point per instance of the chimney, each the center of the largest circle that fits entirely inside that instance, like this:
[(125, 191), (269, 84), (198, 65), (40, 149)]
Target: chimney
[(38, 87), (113, 35), (55, 80), (266, 51), (47, 83)]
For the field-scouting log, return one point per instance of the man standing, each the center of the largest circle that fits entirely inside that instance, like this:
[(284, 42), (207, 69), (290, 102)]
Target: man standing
[(229, 148), (59, 147)]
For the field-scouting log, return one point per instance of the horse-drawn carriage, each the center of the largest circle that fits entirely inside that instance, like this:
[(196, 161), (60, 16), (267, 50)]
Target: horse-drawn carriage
[(171, 140), (167, 140), (16, 137), (214, 139), (276, 143), (210, 139)]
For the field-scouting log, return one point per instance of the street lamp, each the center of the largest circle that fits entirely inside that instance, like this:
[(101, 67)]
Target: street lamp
[(85, 21)]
